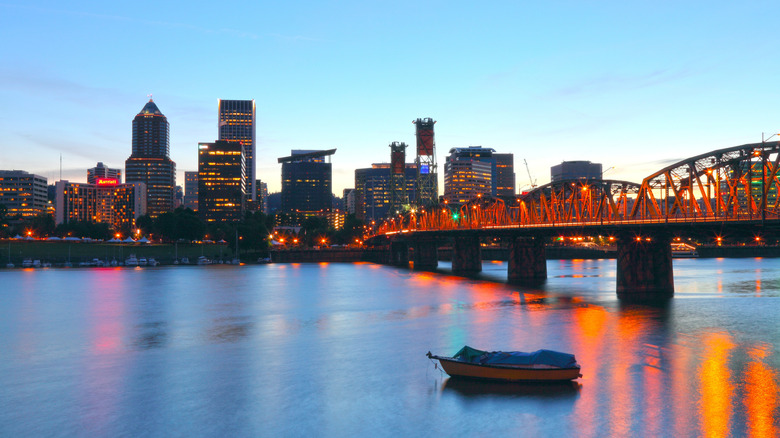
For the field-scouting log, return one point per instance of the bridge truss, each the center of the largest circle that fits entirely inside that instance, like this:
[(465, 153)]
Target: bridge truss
[(740, 183)]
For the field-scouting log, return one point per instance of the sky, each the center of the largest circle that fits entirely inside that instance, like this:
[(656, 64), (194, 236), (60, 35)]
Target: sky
[(633, 85)]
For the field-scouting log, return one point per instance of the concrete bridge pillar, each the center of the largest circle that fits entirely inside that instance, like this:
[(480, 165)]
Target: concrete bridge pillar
[(399, 254), (527, 260), (426, 255), (644, 268), (466, 255)]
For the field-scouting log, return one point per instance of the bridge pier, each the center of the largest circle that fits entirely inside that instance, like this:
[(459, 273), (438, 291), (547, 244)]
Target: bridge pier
[(399, 254), (426, 255), (527, 260), (644, 268), (466, 255)]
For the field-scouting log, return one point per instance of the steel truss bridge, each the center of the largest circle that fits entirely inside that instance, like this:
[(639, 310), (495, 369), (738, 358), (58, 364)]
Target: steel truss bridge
[(733, 190), (737, 184)]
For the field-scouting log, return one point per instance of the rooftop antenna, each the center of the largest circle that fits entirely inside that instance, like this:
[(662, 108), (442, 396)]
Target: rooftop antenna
[(60, 166), (149, 96)]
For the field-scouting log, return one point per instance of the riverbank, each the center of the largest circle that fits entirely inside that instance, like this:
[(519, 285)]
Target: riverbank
[(58, 253)]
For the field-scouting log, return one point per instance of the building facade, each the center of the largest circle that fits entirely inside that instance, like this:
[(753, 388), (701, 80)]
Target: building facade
[(24, 194), (221, 181), (191, 190), (237, 124), (372, 195), (118, 205), (505, 176), (262, 196), (101, 171), (150, 162), (468, 174), (307, 183), (575, 170)]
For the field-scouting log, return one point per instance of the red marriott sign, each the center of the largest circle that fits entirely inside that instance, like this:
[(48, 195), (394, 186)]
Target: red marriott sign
[(107, 181)]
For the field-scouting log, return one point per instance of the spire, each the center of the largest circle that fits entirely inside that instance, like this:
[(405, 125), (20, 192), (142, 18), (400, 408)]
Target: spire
[(150, 108)]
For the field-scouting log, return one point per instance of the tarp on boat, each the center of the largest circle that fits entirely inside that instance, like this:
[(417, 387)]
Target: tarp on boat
[(538, 357)]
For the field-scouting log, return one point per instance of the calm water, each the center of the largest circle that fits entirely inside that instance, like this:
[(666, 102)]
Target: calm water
[(338, 350)]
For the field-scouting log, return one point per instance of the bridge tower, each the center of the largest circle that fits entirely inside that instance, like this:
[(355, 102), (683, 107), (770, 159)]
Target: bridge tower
[(398, 196), (427, 186)]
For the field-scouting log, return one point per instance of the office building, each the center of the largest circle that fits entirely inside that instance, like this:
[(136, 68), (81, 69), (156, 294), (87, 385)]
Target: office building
[(221, 181), (349, 201), (575, 170), (24, 194), (262, 196), (150, 162), (118, 205), (468, 174), (101, 171), (505, 176), (372, 194), (191, 190), (237, 124), (307, 182)]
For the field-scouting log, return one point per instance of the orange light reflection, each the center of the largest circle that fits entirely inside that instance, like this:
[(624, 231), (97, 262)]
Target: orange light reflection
[(716, 386)]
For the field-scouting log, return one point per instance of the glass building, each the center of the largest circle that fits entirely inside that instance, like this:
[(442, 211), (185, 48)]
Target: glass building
[(150, 162), (307, 183), (575, 170), (372, 197), (237, 124), (221, 181), (191, 190), (505, 176), (468, 173), (118, 205), (101, 171)]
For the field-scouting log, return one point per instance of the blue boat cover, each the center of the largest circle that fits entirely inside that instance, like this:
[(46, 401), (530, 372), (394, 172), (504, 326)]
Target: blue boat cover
[(538, 357)]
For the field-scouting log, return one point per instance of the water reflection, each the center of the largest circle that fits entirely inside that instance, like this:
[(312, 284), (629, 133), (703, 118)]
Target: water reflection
[(475, 388), (337, 350)]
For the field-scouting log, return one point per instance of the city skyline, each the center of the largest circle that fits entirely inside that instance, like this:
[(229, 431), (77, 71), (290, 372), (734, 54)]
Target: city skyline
[(634, 87)]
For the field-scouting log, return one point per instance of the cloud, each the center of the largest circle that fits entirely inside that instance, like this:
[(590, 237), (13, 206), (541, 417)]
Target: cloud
[(611, 83)]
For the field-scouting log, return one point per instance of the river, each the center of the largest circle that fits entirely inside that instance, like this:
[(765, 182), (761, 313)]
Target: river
[(339, 350)]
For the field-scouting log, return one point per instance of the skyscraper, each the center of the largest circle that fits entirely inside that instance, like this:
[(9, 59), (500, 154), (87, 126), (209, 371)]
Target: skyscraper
[(307, 183), (150, 162), (237, 124), (468, 173), (575, 170), (24, 194), (505, 176), (221, 181), (191, 190)]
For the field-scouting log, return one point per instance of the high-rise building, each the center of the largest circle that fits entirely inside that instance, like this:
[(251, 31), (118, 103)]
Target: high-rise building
[(191, 190), (262, 196), (349, 201), (505, 176), (101, 171), (307, 182), (237, 124), (118, 205), (150, 162), (372, 193), (575, 170), (221, 181), (24, 194), (468, 174)]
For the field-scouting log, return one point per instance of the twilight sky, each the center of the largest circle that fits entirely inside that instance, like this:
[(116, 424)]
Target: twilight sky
[(632, 84)]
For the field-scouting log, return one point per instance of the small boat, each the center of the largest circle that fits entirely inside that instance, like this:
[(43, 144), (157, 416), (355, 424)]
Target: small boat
[(27, 263), (36, 263), (142, 261), (131, 261), (264, 260), (512, 366), (153, 262), (185, 261), (203, 260)]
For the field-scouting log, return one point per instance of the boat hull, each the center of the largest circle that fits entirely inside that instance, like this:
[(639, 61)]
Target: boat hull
[(457, 368)]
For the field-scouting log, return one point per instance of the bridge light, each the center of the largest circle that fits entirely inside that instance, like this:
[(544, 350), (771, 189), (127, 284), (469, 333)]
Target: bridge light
[(455, 216), (638, 239)]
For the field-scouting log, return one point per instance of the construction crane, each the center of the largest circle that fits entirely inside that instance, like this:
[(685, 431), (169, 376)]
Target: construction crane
[(530, 178), (602, 173)]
